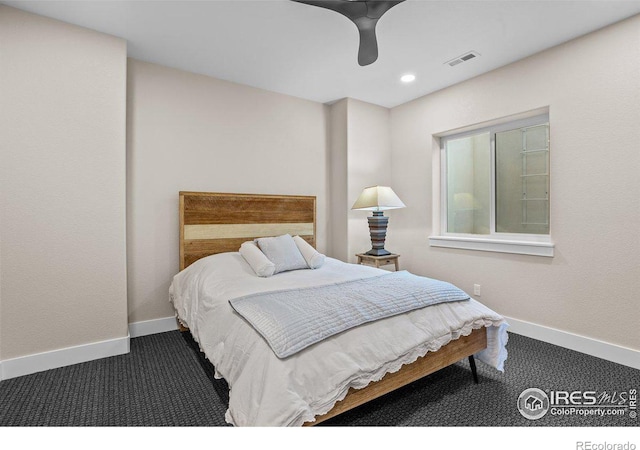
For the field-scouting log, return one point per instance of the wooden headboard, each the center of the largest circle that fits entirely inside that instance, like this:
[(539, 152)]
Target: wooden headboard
[(213, 223)]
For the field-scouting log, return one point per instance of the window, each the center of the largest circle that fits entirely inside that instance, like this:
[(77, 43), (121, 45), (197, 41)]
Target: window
[(495, 188)]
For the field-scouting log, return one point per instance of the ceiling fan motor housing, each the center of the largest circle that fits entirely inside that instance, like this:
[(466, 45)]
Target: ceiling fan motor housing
[(365, 15)]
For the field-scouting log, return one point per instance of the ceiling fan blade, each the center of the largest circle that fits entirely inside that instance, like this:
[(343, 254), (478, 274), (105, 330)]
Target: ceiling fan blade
[(368, 50), (365, 15)]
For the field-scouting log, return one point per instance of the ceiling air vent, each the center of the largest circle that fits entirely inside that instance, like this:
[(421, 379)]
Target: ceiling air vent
[(460, 59)]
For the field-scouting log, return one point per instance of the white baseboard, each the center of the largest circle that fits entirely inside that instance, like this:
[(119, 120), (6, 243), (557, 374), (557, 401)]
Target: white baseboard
[(600, 349), (146, 327), (39, 362)]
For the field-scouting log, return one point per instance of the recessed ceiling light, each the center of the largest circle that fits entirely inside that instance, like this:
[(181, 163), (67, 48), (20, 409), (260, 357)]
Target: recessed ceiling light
[(408, 78)]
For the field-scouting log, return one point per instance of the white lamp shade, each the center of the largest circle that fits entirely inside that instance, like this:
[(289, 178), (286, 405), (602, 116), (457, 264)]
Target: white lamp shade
[(378, 198)]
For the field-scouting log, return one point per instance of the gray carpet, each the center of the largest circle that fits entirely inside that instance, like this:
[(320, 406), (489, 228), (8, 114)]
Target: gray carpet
[(165, 381)]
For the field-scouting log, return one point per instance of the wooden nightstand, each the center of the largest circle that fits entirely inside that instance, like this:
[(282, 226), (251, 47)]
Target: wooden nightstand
[(378, 261)]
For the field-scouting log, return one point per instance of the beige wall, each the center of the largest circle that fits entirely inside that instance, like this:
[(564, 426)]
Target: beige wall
[(62, 185), (592, 88), (63, 262), (338, 237), (368, 164), (360, 156), (195, 133)]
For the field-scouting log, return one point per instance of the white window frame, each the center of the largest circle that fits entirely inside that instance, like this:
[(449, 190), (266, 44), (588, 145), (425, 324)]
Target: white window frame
[(518, 243)]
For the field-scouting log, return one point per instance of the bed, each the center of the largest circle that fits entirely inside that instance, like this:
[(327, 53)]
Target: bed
[(327, 378)]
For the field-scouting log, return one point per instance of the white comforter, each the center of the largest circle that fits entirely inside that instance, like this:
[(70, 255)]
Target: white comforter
[(268, 391)]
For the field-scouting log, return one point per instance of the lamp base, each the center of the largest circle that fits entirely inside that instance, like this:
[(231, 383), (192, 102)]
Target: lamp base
[(378, 252), (378, 231)]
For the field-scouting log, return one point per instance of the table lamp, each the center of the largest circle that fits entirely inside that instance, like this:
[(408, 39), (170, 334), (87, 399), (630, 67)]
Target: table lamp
[(378, 199)]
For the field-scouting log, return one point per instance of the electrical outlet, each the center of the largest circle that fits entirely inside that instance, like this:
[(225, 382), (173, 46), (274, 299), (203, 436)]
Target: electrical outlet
[(476, 290)]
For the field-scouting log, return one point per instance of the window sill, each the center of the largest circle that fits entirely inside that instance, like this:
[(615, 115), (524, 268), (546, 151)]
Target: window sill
[(494, 245)]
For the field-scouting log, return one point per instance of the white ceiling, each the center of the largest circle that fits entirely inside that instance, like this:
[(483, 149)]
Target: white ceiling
[(311, 52)]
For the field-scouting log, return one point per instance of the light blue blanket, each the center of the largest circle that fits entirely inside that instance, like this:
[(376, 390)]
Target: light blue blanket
[(293, 319)]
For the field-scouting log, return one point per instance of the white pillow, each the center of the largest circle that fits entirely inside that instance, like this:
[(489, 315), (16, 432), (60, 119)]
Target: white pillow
[(283, 252), (257, 260), (313, 257)]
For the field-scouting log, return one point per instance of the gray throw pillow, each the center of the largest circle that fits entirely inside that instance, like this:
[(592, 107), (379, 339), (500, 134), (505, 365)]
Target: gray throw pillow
[(283, 252)]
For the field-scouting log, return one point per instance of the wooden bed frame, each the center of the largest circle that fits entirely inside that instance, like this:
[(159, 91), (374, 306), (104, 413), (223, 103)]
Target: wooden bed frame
[(213, 223)]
